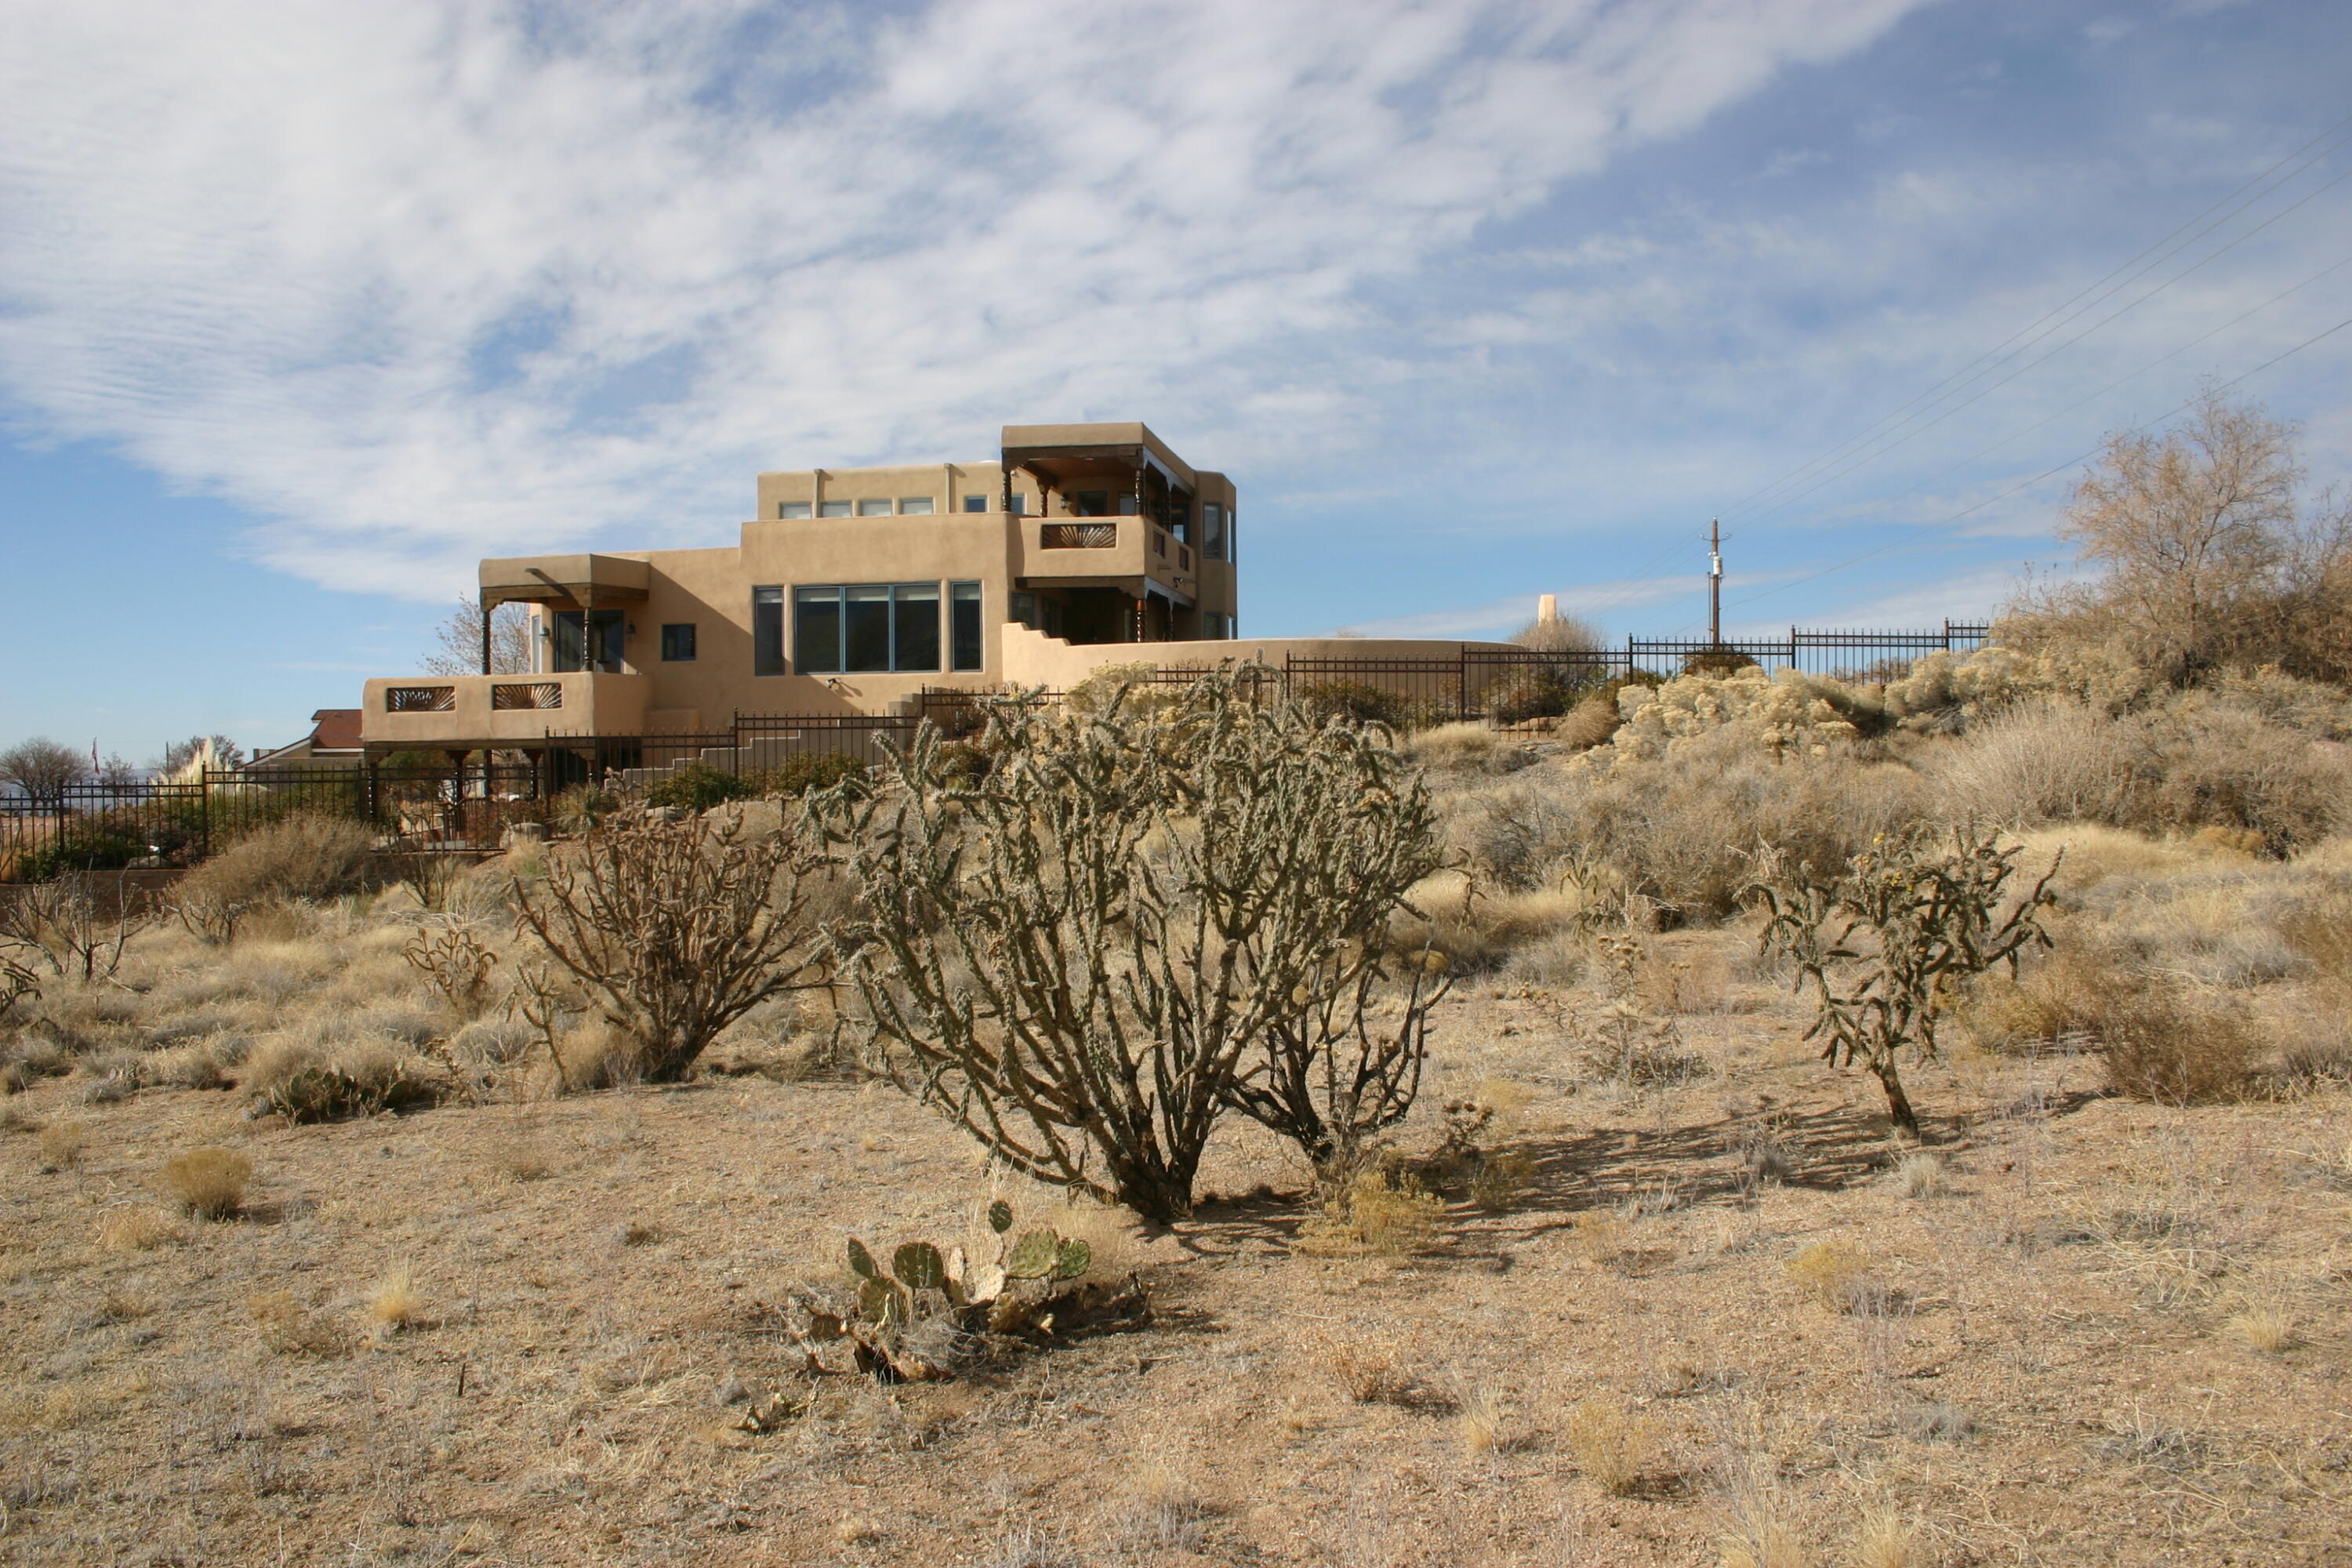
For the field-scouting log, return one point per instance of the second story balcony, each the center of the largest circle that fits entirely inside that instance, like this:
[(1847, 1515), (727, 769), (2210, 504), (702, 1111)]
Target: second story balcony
[(1104, 549)]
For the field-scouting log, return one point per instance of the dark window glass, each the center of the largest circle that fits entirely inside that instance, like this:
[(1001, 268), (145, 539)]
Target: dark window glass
[(1126, 504), (816, 628), (865, 627), (589, 639), (767, 631), (963, 601), (975, 503), (1212, 531), (1090, 503), (1020, 506), (678, 641), (1024, 609), (914, 634)]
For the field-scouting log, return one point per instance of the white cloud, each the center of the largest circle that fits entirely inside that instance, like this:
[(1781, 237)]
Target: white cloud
[(418, 283)]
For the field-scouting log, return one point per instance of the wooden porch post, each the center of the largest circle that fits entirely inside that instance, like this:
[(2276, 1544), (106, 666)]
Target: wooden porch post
[(487, 608)]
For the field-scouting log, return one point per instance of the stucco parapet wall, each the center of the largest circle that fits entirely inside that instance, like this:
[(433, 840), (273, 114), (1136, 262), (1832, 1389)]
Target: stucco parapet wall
[(1031, 659), (585, 704)]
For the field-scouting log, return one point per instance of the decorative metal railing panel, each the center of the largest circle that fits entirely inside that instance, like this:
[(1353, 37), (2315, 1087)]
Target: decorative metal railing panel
[(1078, 535)]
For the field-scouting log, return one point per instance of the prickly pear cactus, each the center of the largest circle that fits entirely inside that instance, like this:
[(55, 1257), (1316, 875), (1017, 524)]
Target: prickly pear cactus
[(928, 1311)]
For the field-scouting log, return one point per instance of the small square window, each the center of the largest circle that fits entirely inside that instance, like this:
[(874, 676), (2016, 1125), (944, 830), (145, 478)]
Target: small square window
[(678, 641), (1090, 503), (1020, 506), (975, 503), (1127, 503), (914, 506), (833, 509), (792, 508), (873, 507)]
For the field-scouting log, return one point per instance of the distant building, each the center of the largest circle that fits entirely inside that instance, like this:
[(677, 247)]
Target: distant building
[(333, 742), (853, 590)]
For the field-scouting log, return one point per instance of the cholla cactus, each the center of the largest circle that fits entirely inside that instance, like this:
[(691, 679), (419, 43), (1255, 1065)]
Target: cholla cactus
[(1132, 923), (1926, 917)]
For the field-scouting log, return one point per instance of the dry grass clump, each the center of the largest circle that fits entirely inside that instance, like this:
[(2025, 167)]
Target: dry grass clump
[(1884, 1541), (286, 1327), (396, 1303), (1920, 1174), (1614, 1447), (2168, 1046), (1480, 1424), (2054, 1000), (1384, 1212), (136, 1230), (62, 1145), (1368, 1369), (2265, 1329), (1836, 1273), (2319, 930), (208, 1183)]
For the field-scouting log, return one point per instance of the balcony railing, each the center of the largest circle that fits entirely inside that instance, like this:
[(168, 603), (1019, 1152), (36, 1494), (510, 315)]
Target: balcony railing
[(510, 696), (421, 699), (1078, 535)]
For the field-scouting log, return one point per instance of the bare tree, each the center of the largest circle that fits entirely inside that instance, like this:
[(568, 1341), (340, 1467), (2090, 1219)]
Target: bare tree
[(1076, 955), (1561, 634), (2194, 528), (224, 752), (457, 640), (42, 768)]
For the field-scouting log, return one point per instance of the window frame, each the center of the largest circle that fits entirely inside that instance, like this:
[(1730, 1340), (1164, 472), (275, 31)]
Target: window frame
[(836, 597), (671, 639)]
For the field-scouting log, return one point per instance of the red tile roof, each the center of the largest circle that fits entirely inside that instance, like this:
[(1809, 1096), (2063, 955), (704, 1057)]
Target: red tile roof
[(337, 729)]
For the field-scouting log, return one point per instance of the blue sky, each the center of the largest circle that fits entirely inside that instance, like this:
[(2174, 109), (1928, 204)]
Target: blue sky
[(305, 308)]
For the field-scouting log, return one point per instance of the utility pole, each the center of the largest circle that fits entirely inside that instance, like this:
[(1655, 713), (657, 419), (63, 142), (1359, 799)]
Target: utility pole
[(1715, 583)]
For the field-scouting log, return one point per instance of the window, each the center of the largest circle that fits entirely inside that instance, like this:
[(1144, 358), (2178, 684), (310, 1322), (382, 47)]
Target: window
[(767, 631), (1215, 626), (865, 627), (1024, 610), (792, 508), (1090, 503), (677, 642), (975, 503), (963, 609), (914, 506), (1020, 506), (833, 509), (589, 639), (873, 507), (1213, 532), (1127, 503)]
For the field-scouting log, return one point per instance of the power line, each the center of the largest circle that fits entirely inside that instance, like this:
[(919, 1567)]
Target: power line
[(2099, 289), (1986, 391), (2046, 473)]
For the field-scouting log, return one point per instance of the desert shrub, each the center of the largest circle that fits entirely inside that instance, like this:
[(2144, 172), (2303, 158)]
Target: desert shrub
[(2319, 930), (1366, 1369), (699, 786), (1360, 700), (1682, 828), (1541, 691), (62, 1145), (811, 770), (135, 1230), (581, 807), (1131, 925), (675, 929), (2046, 761), (1928, 917), (2223, 767), (309, 855), (1591, 722), (208, 1183), (67, 924), (2059, 999), (1835, 1273), (1381, 1209), (2165, 1044), (83, 846)]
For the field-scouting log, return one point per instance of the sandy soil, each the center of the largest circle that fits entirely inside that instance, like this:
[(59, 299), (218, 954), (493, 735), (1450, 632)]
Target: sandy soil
[(2055, 1360)]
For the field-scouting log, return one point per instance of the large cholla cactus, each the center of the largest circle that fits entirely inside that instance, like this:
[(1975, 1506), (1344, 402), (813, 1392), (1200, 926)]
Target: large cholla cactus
[(1074, 955)]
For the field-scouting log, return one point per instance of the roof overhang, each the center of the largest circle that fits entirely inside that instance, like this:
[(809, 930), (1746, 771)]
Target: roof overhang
[(578, 582), (1085, 451)]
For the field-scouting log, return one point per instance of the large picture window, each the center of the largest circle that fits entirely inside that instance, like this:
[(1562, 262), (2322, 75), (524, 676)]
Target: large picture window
[(865, 627)]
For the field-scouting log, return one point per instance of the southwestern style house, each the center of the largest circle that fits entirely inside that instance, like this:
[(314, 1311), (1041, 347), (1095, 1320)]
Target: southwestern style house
[(853, 590)]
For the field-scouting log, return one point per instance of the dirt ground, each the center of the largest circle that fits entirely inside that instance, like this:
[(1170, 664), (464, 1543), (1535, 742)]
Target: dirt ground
[(2089, 1330)]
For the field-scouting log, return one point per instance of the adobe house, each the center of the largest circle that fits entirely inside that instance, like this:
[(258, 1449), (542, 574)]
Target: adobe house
[(853, 590)]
